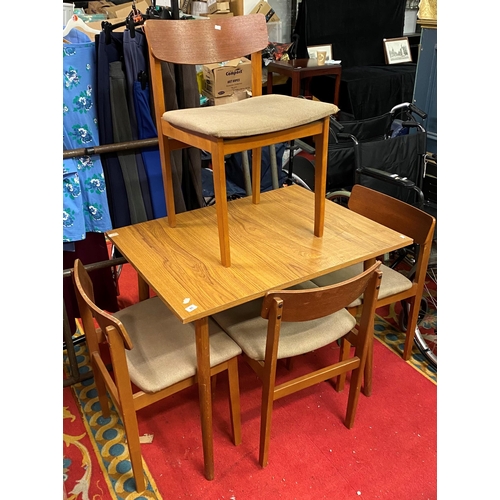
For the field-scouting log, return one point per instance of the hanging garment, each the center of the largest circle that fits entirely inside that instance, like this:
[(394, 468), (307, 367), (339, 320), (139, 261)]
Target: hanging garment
[(85, 204), (129, 188), (136, 69), (122, 132), (179, 83)]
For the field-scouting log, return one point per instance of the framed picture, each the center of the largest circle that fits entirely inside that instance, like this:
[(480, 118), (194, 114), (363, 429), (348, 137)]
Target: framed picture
[(313, 49), (397, 50)]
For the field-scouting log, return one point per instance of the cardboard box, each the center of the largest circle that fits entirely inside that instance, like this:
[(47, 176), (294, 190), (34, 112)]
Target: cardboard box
[(236, 7), (214, 6), (217, 14), (221, 79), (238, 95), (264, 8), (125, 9)]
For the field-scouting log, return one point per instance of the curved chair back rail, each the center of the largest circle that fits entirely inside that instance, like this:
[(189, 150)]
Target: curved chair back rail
[(207, 41)]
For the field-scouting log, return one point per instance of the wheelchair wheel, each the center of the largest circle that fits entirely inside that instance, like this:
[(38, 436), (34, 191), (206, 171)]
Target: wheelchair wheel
[(424, 348), (428, 350), (297, 180), (339, 197)]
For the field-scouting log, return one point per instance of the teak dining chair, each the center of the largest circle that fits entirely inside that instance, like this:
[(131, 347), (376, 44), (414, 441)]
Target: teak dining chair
[(294, 322), (395, 286), (249, 124), (152, 351)]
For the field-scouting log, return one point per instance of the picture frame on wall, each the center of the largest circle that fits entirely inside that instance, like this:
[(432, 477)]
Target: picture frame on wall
[(397, 50), (312, 51)]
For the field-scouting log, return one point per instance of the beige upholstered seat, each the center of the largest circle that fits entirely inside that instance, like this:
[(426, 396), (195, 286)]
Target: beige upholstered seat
[(395, 287), (290, 322), (164, 352), (392, 281), (249, 330), (260, 115), (249, 124), (151, 349)]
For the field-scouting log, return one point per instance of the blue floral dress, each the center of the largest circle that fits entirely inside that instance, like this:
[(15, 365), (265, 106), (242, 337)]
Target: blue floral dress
[(85, 203)]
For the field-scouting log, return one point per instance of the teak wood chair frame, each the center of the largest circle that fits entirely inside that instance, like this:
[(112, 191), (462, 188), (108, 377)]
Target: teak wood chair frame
[(127, 399), (407, 220), (216, 40), (299, 306)]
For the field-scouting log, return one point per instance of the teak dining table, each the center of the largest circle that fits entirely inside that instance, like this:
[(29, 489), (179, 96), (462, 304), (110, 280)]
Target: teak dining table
[(273, 247)]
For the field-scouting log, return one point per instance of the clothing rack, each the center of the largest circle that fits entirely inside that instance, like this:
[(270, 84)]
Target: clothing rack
[(110, 148)]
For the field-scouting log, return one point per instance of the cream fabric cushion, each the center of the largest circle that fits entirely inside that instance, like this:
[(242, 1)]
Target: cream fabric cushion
[(392, 281), (164, 350), (249, 330), (252, 116)]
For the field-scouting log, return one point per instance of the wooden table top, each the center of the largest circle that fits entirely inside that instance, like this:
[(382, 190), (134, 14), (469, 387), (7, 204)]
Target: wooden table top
[(272, 247)]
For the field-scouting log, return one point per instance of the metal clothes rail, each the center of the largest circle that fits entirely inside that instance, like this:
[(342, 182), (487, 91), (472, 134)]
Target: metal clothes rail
[(110, 148)]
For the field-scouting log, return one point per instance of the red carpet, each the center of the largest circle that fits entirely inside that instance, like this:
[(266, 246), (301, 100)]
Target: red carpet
[(390, 453)]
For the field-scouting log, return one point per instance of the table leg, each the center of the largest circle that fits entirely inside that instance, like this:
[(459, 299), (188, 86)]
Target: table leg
[(295, 84), (269, 82), (337, 90), (205, 394)]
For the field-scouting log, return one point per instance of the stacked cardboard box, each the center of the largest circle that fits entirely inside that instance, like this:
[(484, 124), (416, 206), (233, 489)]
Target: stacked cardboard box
[(217, 7), (227, 82), (264, 8)]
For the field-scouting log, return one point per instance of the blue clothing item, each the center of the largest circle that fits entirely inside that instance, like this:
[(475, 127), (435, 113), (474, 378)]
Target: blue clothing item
[(85, 204), (152, 162)]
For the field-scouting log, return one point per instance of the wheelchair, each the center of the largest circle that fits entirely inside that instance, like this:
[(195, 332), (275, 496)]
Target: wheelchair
[(386, 153)]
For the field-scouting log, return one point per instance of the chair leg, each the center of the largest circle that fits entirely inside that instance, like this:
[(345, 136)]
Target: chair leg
[(134, 448), (168, 185), (368, 370), (354, 390), (219, 171), (256, 173), (345, 349), (265, 420), (410, 330), (234, 400), (213, 383), (102, 393)]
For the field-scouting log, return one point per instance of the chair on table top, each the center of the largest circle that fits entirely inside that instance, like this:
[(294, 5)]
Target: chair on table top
[(395, 287), (151, 349), (220, 130), (292, 322)]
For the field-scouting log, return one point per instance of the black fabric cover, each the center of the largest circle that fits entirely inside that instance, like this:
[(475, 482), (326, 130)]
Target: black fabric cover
[(354, 28)]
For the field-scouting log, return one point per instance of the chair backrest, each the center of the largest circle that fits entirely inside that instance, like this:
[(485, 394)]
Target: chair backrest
[(203, 42), (314, 303), (206, 41), (89, 310), (400, 217), (393, 213)]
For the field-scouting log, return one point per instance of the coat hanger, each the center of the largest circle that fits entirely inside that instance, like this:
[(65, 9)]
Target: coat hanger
[(76, 22)]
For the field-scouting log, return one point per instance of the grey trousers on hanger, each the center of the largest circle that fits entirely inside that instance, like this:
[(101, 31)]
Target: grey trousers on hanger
[(122, 132)]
